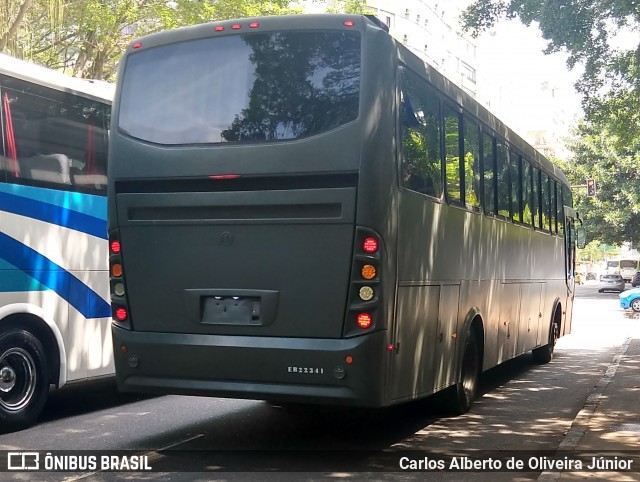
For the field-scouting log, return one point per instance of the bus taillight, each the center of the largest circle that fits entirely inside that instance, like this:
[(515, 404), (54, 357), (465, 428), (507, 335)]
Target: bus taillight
[(368, 271), (115, 246), (121, 314), (370, 245), (364, 320), (365, 293), (119, 303)]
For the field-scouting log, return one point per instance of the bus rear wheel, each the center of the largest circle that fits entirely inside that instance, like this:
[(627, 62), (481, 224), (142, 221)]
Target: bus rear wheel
[(24, 384), (544, 354), (459, 398)]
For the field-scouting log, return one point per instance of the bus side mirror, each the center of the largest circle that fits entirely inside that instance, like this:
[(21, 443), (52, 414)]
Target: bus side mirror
[(581, 237)]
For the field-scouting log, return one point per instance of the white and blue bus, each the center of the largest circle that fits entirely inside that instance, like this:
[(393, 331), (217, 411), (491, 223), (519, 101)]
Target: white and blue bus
[(54, 314)]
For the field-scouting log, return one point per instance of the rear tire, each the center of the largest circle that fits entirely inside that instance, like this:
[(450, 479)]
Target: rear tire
[(458, 399), (24, 382), (544, 354), (635, 305)]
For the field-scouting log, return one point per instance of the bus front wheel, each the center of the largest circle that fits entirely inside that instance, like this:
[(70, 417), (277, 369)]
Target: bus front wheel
[(459, 398), (24, 384)]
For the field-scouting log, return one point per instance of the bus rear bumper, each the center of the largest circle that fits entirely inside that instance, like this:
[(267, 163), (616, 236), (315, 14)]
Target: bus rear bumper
[(285, 370)]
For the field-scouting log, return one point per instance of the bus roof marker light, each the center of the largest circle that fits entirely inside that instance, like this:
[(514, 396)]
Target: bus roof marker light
[(236, 26), (137, 45), (219, 28), (349, 23), (370, 245), (254, 24)]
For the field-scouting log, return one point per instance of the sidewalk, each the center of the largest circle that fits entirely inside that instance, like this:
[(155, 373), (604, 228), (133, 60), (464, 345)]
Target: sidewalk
[(610, 419)]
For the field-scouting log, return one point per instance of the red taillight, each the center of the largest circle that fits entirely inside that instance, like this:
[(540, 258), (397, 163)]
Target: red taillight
[(121, 314), (349, 23), (115, 246), (370, 245), (254, 25), (364, 320)]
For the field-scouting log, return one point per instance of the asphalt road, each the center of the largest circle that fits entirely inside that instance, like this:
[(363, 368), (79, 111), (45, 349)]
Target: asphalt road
[(522, 406)]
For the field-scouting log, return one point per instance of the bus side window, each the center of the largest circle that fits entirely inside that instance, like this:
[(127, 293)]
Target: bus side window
[(502, 171), (471, 163), (527, 193), (489, 161), (516, 186), (421, 165), (60, 139), (452, 155), (559, 210), (536, 197)]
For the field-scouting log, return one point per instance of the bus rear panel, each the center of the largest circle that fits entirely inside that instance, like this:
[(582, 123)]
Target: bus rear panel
[(246, 278)]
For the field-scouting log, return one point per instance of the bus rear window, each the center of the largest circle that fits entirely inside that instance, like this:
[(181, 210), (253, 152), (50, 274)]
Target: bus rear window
[(242, 88)]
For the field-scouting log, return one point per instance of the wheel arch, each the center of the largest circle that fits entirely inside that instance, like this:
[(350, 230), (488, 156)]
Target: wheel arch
[(34, 319), (473, 322), (556, 318)]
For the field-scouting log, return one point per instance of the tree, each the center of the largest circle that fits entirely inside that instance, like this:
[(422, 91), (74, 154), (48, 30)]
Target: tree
[(587, 30), (606, 144), (613, 215), (89, 36)]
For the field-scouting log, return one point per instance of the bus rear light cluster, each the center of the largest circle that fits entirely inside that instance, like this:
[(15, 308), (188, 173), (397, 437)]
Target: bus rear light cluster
[(119, 307), (365, 291)]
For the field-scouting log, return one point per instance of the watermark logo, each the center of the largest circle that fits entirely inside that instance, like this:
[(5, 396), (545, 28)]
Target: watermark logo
[(23, 461)]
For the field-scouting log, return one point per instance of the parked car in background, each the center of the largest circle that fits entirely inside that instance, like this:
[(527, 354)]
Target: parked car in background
[(630, 299), (591, 276), (611, 282), (635, 279)]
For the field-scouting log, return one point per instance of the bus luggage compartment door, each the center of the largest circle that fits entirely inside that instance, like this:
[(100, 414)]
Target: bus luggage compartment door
[(258, 263)]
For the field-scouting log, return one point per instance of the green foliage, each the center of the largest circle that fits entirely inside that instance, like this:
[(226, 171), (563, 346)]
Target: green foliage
[(607, 144), (349, 6), (89, 36), (613, 215), (595, 252)]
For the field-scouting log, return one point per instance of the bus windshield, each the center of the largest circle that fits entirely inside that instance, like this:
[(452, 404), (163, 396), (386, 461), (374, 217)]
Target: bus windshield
[(231, 89)]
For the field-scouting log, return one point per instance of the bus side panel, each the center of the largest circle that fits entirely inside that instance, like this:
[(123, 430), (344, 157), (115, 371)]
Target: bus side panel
[(416, 325)]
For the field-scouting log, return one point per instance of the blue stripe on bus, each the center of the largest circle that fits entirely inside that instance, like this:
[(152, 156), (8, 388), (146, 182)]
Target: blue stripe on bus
[(50, 276), (53, 214), (13, 280), (88, 204)]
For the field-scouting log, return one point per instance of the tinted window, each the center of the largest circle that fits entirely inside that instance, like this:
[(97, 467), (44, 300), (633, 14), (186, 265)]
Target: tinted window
[(57, 140), (488, 173), (471, 163), (452, 154), (516, 193), (546, 203), (502, 170), (527, 211), (420, 121), (242, 88), (536, 197)]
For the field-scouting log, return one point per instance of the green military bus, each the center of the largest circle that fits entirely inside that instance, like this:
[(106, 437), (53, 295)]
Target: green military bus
[(302, 211)]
